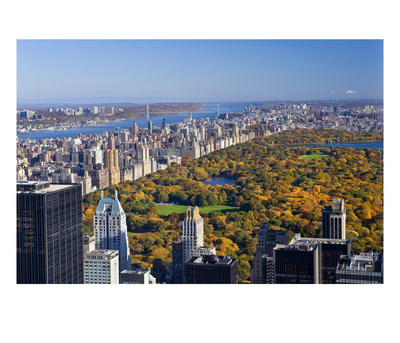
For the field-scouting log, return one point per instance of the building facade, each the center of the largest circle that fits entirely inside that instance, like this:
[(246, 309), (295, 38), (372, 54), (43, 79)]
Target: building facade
[(110, 229), (49, 233), (334, 220), (192, 233), (365, 268), (136, 276), (296, 264), (211, 269), (101, 267), (262, 262)]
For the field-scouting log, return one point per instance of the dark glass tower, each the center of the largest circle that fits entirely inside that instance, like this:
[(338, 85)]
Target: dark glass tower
[(211, 269), (49, 233)]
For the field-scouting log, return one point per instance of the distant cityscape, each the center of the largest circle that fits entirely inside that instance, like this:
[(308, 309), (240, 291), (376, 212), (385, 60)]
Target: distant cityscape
[(53, 174)]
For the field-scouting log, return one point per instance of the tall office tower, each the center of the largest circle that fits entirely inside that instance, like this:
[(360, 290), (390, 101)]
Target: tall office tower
[(150, 127), (329, 253), (334, 220), (192, 233), (101, 267), (110, 229), (362, 268), (111, 163), (267, 240), (49, 233), (298, 263), (211, 269), (164, 124)]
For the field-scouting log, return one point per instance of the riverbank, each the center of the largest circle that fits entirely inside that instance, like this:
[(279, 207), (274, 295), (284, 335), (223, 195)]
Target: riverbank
[(207, 112)]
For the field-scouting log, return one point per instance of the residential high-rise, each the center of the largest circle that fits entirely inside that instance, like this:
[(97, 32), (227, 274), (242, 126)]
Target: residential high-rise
[(334, 220), (192, 233), (101, 267), (49, 233), (111, 141), (189, 245), (133, 130), (110, 229), (211, 269), (150, 127), (111, 163)]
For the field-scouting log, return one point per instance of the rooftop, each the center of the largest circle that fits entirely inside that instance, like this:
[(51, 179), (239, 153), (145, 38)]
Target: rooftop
[(41, 186), (297, 240), (211, 259)]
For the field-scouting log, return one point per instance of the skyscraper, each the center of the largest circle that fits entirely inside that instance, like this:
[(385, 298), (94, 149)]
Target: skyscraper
[(49, 233), (308, 260), (111, 141), (192, 233), (211, 269), (298, 263), (111, 164), (189, 245), (262, 263), (334, 220), (329, 253), (110, 229)]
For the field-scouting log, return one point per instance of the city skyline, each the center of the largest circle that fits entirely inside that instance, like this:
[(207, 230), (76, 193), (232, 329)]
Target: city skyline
[(149, 71)]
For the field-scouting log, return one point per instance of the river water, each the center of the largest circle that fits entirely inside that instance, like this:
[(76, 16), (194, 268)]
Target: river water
[(208, 112), (220, 181)]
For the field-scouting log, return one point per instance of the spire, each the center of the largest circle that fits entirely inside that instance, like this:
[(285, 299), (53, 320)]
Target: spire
[(116, 195)]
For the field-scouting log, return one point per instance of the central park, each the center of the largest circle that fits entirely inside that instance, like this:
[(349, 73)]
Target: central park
[(286, 186)]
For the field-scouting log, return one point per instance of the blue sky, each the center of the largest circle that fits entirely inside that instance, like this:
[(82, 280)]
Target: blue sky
[(198, 70)]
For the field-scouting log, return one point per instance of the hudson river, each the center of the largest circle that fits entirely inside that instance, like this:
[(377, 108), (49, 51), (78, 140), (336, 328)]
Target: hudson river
[(208, 112)]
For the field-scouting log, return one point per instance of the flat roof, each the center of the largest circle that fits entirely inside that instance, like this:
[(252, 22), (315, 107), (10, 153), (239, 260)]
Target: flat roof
[(44, 186)]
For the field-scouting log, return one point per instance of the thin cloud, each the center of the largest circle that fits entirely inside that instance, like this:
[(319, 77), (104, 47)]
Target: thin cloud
[(332, 92), (350, 92)]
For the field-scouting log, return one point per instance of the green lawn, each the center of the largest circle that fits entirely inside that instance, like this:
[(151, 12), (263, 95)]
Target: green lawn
[(310, 157), (182, 208)]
